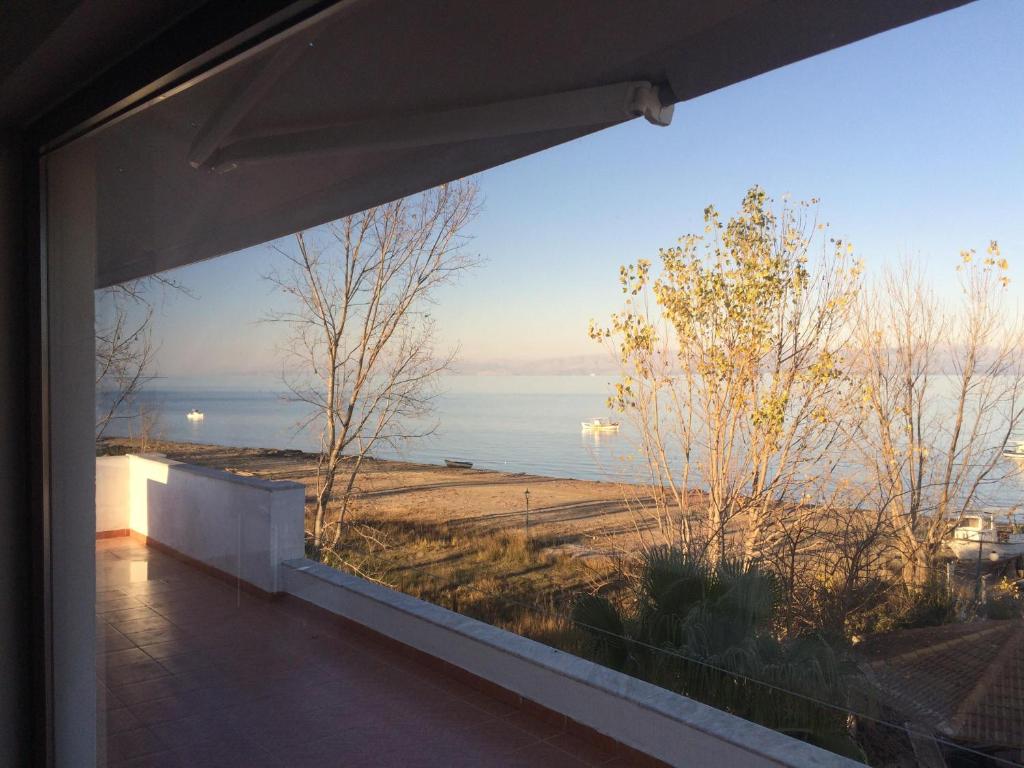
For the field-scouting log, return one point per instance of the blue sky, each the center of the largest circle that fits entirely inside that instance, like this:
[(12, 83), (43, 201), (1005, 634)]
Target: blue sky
[(913, 140)]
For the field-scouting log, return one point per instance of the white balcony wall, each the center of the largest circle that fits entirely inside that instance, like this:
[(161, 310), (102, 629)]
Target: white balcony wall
[(242, 526), (671, 728), (113, 514)]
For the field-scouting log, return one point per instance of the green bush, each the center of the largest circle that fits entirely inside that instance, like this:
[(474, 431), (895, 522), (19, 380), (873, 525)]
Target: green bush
[(1003, 601), (706, 631), (931, 605)]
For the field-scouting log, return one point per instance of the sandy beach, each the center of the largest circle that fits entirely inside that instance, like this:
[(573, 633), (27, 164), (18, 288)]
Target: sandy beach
[(581, 515)]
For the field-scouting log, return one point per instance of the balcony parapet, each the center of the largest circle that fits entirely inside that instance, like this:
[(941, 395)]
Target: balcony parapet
[(672, 729), (240, 527)]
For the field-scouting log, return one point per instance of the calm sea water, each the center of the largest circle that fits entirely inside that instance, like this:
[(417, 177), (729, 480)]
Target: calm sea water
[(510, 423)]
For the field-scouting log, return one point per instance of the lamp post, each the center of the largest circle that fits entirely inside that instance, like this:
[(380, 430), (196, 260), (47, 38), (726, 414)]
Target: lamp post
[(977, 573), (526, 494)]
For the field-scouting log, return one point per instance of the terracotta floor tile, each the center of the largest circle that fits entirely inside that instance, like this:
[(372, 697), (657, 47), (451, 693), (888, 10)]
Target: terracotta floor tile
[(271, 725), (203, 728), (492, 737), (155, 760), (105, 698), (109, 639), (119, 658), (440, 712), (161, 634), (167, 649), (134, 672), (192, 673), (544, 754), (181, 663), (118, 720), (132, 743), (169, 708), (116, 603), (127, 615), (542, 729), (347, 748), (587, 751), (113, 593), (161, 687), (243, 755), (143, 621)]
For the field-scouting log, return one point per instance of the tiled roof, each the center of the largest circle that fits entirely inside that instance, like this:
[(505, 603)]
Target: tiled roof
[(966, 681)]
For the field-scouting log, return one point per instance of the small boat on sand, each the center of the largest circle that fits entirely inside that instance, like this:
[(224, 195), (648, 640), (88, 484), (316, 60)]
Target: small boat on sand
[(979, 536), (458, 464), (600, 424), (194, 415)]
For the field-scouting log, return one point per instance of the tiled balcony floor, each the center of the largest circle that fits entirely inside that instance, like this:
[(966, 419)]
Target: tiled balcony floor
[(193, 673)]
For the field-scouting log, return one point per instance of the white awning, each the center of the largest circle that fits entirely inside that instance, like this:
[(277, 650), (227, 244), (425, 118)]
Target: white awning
[(376, 99)]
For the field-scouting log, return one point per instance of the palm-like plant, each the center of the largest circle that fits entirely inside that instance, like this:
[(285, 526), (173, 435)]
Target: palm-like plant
[(706, 631)]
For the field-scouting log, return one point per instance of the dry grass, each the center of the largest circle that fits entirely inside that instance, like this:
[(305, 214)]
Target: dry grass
[(504, 578)]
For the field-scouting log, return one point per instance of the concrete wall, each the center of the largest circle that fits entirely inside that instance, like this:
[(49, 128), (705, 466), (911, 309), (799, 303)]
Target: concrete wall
[(243, 526), (112, 510), (665, 725)]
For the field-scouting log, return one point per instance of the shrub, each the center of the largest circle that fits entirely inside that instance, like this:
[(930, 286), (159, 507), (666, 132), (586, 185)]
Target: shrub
[(707, 631), (1003, 601), (931, 605)]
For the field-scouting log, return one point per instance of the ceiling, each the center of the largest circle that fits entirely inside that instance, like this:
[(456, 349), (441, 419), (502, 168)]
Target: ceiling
[(50, 49), (371, 100)]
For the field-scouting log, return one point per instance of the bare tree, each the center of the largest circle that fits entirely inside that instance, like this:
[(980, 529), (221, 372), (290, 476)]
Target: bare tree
[(362, 354), (124, 344), (942, 386), (124, 354), (734, 376)]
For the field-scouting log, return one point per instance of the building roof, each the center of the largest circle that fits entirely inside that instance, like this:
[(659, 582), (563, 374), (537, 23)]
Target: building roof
[(965, 681)]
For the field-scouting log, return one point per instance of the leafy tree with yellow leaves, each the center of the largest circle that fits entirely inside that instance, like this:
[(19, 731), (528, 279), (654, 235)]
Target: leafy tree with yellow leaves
[(733, 370)]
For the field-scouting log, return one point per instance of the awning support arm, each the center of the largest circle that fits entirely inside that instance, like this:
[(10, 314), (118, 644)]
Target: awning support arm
[(603, 105), (233, 111)]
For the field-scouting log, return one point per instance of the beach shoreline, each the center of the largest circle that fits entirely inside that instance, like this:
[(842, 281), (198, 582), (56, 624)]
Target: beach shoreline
[(578, 514)]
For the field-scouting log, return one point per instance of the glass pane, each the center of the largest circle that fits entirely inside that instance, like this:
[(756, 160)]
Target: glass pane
[(766, 476)]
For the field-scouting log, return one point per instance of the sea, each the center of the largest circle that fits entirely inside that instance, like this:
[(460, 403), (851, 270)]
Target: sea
[(509, 423)]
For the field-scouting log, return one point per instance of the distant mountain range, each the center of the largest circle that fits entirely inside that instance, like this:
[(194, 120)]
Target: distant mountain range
[(578, 365), (597, 364)]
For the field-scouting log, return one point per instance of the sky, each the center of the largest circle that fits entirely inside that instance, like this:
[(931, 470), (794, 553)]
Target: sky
[(913, 141)]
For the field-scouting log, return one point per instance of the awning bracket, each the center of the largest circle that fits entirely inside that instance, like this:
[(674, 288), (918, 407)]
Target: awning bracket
[(600, 106)]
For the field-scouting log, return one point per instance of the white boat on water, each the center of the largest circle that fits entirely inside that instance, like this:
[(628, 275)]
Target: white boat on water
[(1016, 452), (600, 424), (194, 415), (981, 535)]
